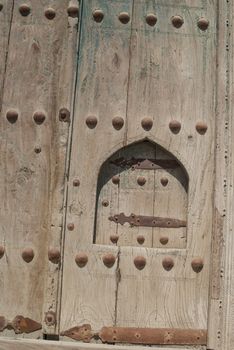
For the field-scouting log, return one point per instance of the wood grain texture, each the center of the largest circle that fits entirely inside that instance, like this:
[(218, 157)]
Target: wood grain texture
[(36, 79), (20, 344), (89, 295)]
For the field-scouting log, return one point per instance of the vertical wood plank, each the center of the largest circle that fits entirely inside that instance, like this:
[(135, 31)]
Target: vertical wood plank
[(39, 67)]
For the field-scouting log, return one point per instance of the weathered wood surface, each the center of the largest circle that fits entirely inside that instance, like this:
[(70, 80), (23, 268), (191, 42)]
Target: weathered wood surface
[(166, 74), (23, 344), (39, 77)]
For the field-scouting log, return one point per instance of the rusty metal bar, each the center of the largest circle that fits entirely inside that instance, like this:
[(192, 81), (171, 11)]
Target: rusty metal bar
[(153, 336), (81, 333), (147, 221), (147, 164)]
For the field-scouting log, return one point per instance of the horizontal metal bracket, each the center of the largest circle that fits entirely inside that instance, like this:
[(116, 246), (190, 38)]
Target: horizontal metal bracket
[(147, 164), (153, 336), (20, 324), (147, 221)]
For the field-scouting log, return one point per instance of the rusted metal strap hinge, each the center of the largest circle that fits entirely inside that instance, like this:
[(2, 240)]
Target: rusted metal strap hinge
[(20, 324), (147, 221), (147, 164), (153, 336), (147, 336)]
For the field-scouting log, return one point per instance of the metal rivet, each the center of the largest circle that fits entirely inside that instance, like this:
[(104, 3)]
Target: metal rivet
[(202, 23), (116, 179), (147, 123), (114, 238), (118, 123), (70, 226), (201, 128), (12, 116), (28, 255), (108, 260), (164, 181), (91, 122), (37, 149), (50, 13), (105, 203), (98, 16), (175, 126), (140, 239), (168, 263), (124, 17), (76, 182), (164, 240), (140, 262), (81, 259), (151, 19), (50, 318), (177, 21), (2, 251), (64, 115), (54, 255), (141, 180), (197, 265), (73, 11), (39, 117), (24, 10)]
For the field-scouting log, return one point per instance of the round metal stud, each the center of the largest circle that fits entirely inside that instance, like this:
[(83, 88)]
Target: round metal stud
[(203, 23), (54, 255), (177, 21), (50, 318), (91, 122), (116, 179), (37, 149), (197, 265), (81, 259), (114, 238), (2, 251), (108, 260), (147, 123), (64, 115), (175, 126), (12, 116), (24, 10), (201, 128), (28, 255), (98, 16), (140, 262), (73, 11), (76, 183), (168, 263), (164, 181), (124, 17), (141, 180), (39, 117), (163, 240), (151, 19), (118, 123), (105, 203), (140, 239), (50, 13), (70, 226)]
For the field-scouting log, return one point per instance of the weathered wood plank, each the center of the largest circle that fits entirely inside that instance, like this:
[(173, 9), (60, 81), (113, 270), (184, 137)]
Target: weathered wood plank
[(172, 72), (33, 157), (88, 294)]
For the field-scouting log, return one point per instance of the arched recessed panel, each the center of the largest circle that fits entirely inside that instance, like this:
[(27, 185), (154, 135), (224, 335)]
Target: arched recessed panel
[(142, 198)]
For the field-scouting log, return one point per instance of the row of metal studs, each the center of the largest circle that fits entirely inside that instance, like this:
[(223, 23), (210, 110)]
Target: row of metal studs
[(50, 13), (117, 122), (81, 259), (140, 239), (147, 124), (151, 19)]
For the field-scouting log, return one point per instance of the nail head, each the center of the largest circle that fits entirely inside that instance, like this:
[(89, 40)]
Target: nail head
[(118, 123), (124, 17), (98, 16), (197, 265), (28, 255), (12, 116), (202, 23), (24, 10), (39, 117), (177, 21), (168, 263), (81, 259), (175, 126), (108, 260), (50, 13), (54, 255), (140, 262), (151, 19), (91, 122), (147, 123)]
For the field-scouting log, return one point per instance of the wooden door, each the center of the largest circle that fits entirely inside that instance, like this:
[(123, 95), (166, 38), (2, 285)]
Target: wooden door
[(139, 207)]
